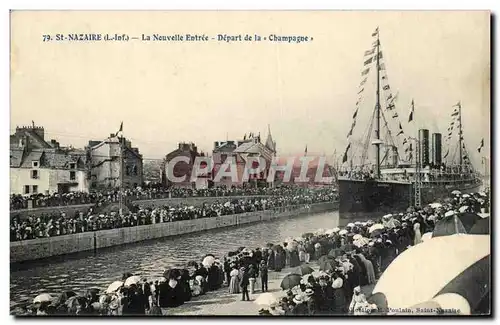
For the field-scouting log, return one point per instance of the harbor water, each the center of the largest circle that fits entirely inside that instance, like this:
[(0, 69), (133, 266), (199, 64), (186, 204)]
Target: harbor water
[(87, 270)]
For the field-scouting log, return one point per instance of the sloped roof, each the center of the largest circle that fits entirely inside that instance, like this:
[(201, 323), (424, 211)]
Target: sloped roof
[(32, 156), (254, 148), (57, 160), (16, 157), (226, 147)]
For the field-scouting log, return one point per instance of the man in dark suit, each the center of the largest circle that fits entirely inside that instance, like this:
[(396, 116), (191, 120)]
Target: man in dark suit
[(244, 282)]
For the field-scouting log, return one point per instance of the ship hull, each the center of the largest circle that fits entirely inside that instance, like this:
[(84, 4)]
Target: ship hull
[(363, 199)]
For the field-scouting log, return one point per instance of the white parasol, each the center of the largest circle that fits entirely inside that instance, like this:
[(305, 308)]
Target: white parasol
[(423, 264), (376, 226), (134, 279), (336, 229), (363, 241), (44, 297), (435, 205), (343, 232), (463, 208), (265, 299), (114, 286), (357, 236), (208, 261), (456, 192)]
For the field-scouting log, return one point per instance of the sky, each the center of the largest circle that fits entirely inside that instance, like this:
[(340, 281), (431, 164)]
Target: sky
[(168, 92)]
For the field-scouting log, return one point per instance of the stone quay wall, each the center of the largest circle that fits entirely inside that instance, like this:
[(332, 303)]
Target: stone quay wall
[(72, 209), (40, 248)]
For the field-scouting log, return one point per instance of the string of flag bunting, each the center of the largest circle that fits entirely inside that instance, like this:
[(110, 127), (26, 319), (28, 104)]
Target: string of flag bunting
[(369, 58)]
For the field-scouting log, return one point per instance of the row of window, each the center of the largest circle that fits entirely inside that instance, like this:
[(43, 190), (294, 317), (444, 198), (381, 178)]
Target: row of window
[(27, 189), (35, 174), (71, 165)]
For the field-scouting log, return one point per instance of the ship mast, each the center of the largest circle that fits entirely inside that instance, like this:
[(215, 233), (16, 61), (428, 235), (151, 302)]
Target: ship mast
[(460, 139), (377, 108)]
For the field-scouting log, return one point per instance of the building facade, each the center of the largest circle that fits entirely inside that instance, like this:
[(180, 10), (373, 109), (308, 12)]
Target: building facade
[(107, 162), (246, 154), (40, 167), (183, 169)]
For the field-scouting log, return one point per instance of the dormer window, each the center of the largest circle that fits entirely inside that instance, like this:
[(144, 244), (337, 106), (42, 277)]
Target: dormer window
[(35, 164), (72, 165)]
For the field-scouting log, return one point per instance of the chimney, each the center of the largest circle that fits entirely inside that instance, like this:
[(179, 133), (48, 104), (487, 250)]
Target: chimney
[(423, 137), (436, 149), (216, 144), (54, 144)]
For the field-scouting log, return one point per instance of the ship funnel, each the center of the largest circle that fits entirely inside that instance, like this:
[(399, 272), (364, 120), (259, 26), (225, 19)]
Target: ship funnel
[(436, 149), (423, 138)]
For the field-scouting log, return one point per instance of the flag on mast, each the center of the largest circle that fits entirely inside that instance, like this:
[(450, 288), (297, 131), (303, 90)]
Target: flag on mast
[(375, 33), (400, 129), (410, 118), (344, 158), (481, 146), (121, 128), (305, 151)]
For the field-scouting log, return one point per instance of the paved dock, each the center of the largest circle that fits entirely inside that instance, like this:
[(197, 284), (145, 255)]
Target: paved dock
[(221, 302)]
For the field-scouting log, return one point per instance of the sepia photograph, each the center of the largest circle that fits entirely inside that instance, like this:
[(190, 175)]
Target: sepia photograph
[(250, 163)]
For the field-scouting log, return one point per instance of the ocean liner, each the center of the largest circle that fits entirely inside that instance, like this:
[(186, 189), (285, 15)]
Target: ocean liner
[(403, 170)]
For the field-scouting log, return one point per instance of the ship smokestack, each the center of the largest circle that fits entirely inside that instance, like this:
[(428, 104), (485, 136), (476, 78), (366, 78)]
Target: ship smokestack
[(423, 137), (436, 149)]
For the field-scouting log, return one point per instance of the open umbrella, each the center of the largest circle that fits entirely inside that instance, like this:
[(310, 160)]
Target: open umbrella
[(361, 242), (435, 205), (134, 279), (307, 235), (455, 224), (481, 227), (290, 281), (208, 261), (44, 297), (114, 286), (343, 232), (329, 232), (336, 252), (456, 192), (377, 226), (357, 236), (392, 223), (302, 270), (467, 272), (265, 299)]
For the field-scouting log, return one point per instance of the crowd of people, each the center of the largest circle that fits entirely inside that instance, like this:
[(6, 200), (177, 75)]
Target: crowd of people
[(348, 259), (18, 201), (357, 255), (51, 225)]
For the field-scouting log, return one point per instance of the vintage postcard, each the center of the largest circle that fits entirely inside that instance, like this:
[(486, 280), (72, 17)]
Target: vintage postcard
[(262, 163)]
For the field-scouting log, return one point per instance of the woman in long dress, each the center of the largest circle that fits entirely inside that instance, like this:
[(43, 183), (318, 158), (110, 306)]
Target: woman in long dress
[(234, 283), (370, 270), (418, 236)]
